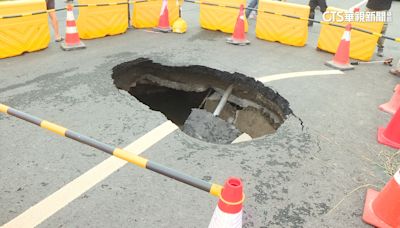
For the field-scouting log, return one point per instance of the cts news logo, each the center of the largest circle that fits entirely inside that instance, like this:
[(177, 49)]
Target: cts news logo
[(375, 16)]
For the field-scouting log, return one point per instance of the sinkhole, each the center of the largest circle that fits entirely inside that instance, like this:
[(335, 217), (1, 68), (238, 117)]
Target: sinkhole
[(208, 104)]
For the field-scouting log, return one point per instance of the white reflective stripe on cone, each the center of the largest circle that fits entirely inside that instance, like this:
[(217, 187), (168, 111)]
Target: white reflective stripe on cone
[(71, 30), (346, 36), (164, 6), (70, 16), (221, 219), (397, 177)]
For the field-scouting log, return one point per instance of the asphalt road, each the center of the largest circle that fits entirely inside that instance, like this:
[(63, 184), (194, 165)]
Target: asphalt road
[(294, 178)]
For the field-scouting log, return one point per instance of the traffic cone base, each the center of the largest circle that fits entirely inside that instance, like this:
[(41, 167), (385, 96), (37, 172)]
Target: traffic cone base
[(389, 107), (70, 47), (164, 30), (339, 66), (394, 104), (385, 141), (382, 209), (369, 215), (237, 42)]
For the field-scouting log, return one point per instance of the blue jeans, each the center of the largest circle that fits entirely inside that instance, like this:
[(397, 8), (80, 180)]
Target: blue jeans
[(252, 4)]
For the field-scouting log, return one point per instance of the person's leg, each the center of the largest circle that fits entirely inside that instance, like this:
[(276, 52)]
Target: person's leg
[(322, 5), (382, 40), (252, 4), (54, 22), (312, 4)]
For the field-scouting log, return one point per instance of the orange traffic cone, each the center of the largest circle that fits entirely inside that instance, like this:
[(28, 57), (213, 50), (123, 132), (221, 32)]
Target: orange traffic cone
[(382, 209), (163, 22), (72, 40), (239, 35), (229, 211), (390, 135), (394, 103), (341, 60)]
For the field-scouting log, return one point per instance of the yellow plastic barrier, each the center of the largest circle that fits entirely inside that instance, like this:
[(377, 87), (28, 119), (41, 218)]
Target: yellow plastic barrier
[(220, 18), (23, 34), (99, 21), (362, 45), (147, 14), (273, 27)]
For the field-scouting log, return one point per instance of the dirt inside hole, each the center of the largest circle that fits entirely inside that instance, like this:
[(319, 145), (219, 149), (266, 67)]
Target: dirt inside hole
[(189, 96)]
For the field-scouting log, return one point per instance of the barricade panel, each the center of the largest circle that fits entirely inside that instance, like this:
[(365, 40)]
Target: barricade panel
[(147, 14), (99, 21), (282, 29), (220, 18), (23, 34), (362, 45)]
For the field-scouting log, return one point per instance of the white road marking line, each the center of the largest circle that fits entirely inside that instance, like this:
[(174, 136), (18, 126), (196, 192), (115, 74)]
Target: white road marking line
[(358, 5), (242, 138), (275, 77), (59, 199)]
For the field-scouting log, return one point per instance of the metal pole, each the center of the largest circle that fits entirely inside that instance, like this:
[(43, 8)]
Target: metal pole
[(213, 189), (223, 101)]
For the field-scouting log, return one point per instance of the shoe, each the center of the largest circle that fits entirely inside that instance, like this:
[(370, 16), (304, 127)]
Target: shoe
[(380, 52), (59, 39), (253, 15), (395, 72)]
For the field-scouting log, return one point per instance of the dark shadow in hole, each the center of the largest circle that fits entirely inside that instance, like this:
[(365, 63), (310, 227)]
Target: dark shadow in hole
[(176, 105)]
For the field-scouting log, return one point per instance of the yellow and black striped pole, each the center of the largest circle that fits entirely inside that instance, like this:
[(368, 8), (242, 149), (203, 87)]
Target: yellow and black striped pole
[(213, 189), (77, 5), (31, 13)]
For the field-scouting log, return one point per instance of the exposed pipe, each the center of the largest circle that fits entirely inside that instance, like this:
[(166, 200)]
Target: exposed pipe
[(223, 101)]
